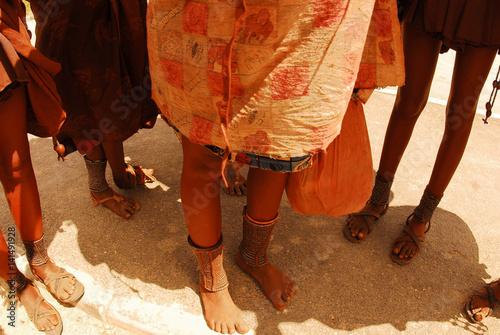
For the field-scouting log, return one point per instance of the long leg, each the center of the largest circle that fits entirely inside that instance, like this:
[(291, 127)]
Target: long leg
[(200, 195), (19, 183), (421, 55), (470, 72)]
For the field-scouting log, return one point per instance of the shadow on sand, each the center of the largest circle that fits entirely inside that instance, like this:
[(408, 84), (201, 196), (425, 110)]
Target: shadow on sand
[(343, 286)]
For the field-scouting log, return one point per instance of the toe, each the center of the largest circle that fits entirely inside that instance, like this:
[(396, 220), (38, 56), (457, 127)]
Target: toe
[(243, 188), (211, 324), (396, 249), (242, 328), (276, 299), (231, 329), (224, 329), (218, 327), (290, 291), (238, 191)]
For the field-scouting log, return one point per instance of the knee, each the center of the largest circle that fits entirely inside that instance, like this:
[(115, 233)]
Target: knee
[(409, 105), (206, 166), (14, 167), (459, 120)]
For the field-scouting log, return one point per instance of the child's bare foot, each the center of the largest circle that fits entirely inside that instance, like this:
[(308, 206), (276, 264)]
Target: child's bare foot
[(28, 297), (221, 313), (276, 285), (237, 183), (482, 303), (118, 204)]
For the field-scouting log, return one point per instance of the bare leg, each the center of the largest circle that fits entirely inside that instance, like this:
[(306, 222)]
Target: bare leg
[(127, 206), (264, 192), (19, 183), (471, 70), (116, 159), (201, 205), (421, 55)]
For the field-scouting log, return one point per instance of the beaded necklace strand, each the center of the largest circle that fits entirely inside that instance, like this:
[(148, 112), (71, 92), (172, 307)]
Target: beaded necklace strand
[(489, 104)]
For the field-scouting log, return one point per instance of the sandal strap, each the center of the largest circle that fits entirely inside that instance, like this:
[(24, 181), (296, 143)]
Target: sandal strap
[(141, 176), (137, 176), (57, 277), (36, 316), (409, 236), (98, 202), (491, 298), (366, 214)]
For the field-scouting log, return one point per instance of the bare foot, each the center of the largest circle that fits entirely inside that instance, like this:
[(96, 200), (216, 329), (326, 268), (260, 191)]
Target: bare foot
[(221, 313), (67, 285), (405, 246), (28, 296), (118, 204), (479, 306), (360, 224), (276, 285), (237, 183)]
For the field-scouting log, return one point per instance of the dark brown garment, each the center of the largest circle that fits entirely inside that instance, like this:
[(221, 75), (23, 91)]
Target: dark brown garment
[(21, 64), (458, 23), (104, 82)]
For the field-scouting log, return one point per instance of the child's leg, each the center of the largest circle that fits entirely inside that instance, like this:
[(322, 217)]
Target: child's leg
[(201, 173), (421, 55), (19, 183), (116, 159), (471, 70), (264, 192), (96, 162)]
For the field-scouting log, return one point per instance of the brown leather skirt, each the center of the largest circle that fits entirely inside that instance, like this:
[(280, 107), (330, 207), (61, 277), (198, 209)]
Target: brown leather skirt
[(458, 23)]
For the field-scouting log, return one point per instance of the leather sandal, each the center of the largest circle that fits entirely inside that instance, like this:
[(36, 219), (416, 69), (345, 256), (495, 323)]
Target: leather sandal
[(365, 214), (35, 316), (423, 212), (490, 297), (37, 256), (56, 289), (408, 236), (116, 197)]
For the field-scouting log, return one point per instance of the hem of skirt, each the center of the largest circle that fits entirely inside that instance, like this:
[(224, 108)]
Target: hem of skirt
[(292, 164)]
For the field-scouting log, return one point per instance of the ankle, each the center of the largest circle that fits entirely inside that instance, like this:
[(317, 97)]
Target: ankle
[(428, 204), (381, 191)]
